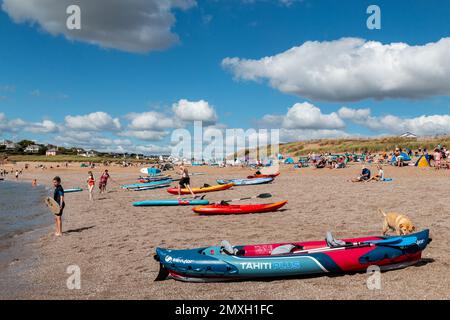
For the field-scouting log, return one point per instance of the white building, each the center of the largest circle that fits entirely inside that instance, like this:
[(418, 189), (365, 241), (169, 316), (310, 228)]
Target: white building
[(408, 135), (51, 152), (32, 148)]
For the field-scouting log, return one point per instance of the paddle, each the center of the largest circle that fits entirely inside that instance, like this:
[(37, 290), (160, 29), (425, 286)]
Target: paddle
[(261, 196), (389, 242)]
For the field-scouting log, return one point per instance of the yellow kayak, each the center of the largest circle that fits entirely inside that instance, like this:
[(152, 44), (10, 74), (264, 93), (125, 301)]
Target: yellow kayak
[(218, 187)]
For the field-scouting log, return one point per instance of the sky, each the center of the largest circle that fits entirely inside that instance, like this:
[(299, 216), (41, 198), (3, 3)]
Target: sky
[(139, 69)]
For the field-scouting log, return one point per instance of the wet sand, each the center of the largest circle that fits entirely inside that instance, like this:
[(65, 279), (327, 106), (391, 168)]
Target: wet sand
[(113, 242)]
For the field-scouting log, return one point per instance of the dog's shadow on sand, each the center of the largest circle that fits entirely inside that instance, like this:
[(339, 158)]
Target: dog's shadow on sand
[(79, 229)]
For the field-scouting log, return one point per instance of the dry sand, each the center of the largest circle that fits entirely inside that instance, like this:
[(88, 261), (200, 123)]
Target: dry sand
[(113, 242)]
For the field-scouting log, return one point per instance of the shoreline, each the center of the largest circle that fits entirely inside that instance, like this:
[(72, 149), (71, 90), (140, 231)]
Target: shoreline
[(113, 242), (20, 256)]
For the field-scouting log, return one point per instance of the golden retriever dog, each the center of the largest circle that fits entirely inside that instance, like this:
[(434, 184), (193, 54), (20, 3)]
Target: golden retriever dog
[(399, 223)]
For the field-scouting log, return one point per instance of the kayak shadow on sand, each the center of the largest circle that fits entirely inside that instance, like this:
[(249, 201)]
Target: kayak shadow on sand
[(420, 263), (78, 230)]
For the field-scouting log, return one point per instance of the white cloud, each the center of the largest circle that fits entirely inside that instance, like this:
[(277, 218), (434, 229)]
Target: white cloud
[(352, 69), (153, 149), (150, 121), (304, 116), (96, 121), (133, 25), (200, 110), (46, 126), (422, 125)]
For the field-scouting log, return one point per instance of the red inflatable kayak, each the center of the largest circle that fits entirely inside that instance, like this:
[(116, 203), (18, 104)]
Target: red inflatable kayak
[(239, 209), (263, 176)]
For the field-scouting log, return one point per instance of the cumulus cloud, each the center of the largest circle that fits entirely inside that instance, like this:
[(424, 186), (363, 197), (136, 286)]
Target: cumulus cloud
[(133, 25), (422, 125), (96, 121), (46, 126), (352, 69), (200, 110), (153, 149), (17, 125), (150, 121), (304, 116)]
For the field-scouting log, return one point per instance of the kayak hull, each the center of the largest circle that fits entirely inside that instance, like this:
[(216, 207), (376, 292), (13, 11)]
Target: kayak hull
[(147, 184), (238, 209), (171, 202), (255, 176), (245, 182), (73, 190), (150, 171), (310, 258), (201, 189)]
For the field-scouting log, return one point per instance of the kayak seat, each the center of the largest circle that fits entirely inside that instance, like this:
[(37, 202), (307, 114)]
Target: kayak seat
[(227, 248), (284, 249), (332, 242)]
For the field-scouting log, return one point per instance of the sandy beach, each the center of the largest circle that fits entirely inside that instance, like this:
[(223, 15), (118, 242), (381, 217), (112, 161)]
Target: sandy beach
[(113, 242)]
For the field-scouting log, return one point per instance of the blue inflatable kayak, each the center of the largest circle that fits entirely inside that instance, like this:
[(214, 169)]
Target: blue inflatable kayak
[(72, 190), (227, 262), (171, 202), (245, 182), (147, 184)]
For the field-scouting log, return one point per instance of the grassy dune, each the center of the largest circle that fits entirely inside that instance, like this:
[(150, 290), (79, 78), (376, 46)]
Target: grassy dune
[(302, 148)]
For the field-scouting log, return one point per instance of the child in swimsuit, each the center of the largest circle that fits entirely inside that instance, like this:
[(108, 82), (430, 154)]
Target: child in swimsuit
[(91, 183)]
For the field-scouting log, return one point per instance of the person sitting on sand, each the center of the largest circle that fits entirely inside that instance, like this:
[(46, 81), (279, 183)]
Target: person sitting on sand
[(185, 181), (58, 196), (379, 176), (399, 160), (103, 181), (364, 176), (91, 183)]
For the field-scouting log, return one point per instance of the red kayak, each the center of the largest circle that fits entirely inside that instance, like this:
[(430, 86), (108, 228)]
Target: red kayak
[(239, 209), (263, 176)]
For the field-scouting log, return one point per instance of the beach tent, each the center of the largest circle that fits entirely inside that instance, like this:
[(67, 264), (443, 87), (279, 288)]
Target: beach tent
[(423, 162), (289, 161), (404, 156)]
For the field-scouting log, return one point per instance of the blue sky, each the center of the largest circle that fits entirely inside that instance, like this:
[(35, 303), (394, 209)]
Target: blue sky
[(48, 73)]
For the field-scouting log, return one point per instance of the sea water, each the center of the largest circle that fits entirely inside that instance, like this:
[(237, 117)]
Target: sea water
[(22, 210)]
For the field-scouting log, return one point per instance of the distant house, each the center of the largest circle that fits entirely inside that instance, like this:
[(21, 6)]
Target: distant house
[(408, 135), (9, 145), (51, 152), (32, 148), (89, 154)]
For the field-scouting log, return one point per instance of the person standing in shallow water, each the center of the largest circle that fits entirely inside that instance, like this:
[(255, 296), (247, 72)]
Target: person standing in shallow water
[(58, 196)]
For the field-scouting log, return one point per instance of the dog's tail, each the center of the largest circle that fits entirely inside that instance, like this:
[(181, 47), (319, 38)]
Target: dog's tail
[(382, 212)]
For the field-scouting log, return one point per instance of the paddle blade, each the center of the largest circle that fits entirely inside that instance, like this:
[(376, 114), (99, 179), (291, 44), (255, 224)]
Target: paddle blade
[(264, 195)]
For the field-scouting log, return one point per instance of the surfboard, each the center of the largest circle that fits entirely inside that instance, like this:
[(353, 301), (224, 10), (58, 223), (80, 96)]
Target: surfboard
[(73, 190), (151, 171), (52, 205)]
